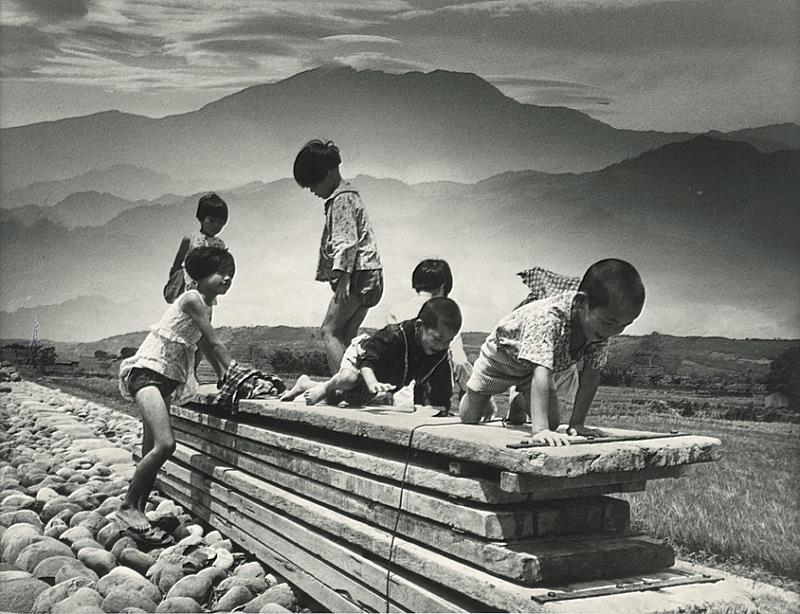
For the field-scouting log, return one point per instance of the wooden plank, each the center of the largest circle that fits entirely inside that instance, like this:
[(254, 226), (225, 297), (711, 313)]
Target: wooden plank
[(526, 483), (346, 570), (510, 522), (517, 561), (468, 488), (227, 483), (486, 443)]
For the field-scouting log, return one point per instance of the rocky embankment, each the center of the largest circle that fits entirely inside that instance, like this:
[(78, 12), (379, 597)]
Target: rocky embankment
[(64, 468)]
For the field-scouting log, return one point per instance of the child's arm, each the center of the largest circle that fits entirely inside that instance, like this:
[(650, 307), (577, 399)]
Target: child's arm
[(344, 240), (587, 387), (213, 348), (181, 255), (544, 409), (372, 383), (440, 388)]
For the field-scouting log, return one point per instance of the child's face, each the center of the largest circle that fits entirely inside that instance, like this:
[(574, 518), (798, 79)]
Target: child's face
[(326, 187), (601, 323), (211, 226), (217, 283), (436, 339)]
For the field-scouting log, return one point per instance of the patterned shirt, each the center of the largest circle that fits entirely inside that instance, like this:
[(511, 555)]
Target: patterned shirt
[(539, 333), (348, 241)]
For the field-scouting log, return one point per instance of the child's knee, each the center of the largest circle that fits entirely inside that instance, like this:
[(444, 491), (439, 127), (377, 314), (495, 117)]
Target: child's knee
[(164, 447)]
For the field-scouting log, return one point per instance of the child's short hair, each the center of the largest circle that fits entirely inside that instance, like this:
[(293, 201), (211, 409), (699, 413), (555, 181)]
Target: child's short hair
[(430, 275), (314, 161), (211, 205), (205, 261), (440, 310), (612, 280)]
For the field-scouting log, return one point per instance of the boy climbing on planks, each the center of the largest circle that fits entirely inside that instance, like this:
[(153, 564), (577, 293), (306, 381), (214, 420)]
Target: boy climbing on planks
[(530, 347), (375, 365)]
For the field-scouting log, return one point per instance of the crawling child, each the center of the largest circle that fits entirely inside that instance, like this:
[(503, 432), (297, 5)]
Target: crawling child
[(384, 362), (530, 347)]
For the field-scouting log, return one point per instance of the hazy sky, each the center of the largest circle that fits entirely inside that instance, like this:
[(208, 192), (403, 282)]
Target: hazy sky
[(645, 64)]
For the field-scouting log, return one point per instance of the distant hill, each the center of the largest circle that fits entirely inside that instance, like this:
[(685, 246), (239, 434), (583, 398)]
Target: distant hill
[(124, 181), (711, 225), (413, 126), (731, 360), (76, 210), (767, 139)]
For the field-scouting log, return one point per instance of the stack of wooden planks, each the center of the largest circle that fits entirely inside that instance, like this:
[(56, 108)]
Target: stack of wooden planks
[(380, 509)]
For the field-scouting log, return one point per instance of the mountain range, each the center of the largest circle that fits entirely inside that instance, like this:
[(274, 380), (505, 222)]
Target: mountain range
[(88, 230), (415, 127)]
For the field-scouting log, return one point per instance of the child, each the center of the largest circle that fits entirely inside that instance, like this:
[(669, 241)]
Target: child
[(433, 278), (541, 339), (348, 254), (212, 213), (161, 370), (388, 360)]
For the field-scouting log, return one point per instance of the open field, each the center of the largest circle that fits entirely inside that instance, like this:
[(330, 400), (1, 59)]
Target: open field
[(740, 514)]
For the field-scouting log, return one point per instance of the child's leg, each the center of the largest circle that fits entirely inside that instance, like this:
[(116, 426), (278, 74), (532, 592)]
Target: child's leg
[(345, 379), (155, 415), (475, 407), (340, 326), (519, 408), (302, 384)]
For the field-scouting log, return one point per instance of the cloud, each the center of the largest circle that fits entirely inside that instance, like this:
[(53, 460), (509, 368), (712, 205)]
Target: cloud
[(55, 10), (551, 92), (245, 45), (379, 61), (360, 38), (23, 49), (612, 26)]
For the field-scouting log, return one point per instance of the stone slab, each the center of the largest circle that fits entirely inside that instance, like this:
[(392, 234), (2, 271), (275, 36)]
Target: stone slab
[(486, 443)]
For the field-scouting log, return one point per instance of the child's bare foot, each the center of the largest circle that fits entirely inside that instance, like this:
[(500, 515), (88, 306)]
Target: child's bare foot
[(302, 384), (316, 394), (133, 518)]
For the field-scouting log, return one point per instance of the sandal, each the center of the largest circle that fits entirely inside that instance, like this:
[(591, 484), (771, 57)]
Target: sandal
[(151, 536)]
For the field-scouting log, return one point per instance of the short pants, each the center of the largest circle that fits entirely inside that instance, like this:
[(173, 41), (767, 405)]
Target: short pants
[(141, 377), (366, 285), (358, 395)]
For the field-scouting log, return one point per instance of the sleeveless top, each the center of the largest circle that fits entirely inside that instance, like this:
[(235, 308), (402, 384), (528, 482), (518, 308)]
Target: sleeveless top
[(168, 349)]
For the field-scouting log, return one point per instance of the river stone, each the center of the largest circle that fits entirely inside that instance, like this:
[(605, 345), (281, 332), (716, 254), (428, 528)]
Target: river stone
[(109, 534), (75, 569), (111, 504), (78, 517), (179, 605), (55, 528), (85, 600), (164, 575), (234, 597), (18, 592), (136, 560), (85, 542), (48, 568), (17, 516), (17, 501), (94, 521), (121, 544), (255, 585), (59, 506), (35, 553), (215, 574), (127, 578), (45, 493), (98, 560), (281, 594), (47, 599), (223, 560), (120, 598), (194, 586), (73, 534), (110, 455), (253, 569), (66, 473), (16, 538), (273, 608)]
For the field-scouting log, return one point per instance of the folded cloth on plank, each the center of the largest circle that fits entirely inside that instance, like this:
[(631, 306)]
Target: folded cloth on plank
[(243, 382)]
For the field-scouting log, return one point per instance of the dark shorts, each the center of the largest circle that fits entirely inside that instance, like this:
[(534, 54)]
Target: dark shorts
[(141, 378), (367, 286)]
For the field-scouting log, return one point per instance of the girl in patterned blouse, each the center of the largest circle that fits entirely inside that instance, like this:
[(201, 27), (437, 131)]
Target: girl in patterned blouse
[(348, 253)]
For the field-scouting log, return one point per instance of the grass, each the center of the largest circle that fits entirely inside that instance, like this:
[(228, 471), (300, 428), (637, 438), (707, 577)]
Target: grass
[(739, 514)]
